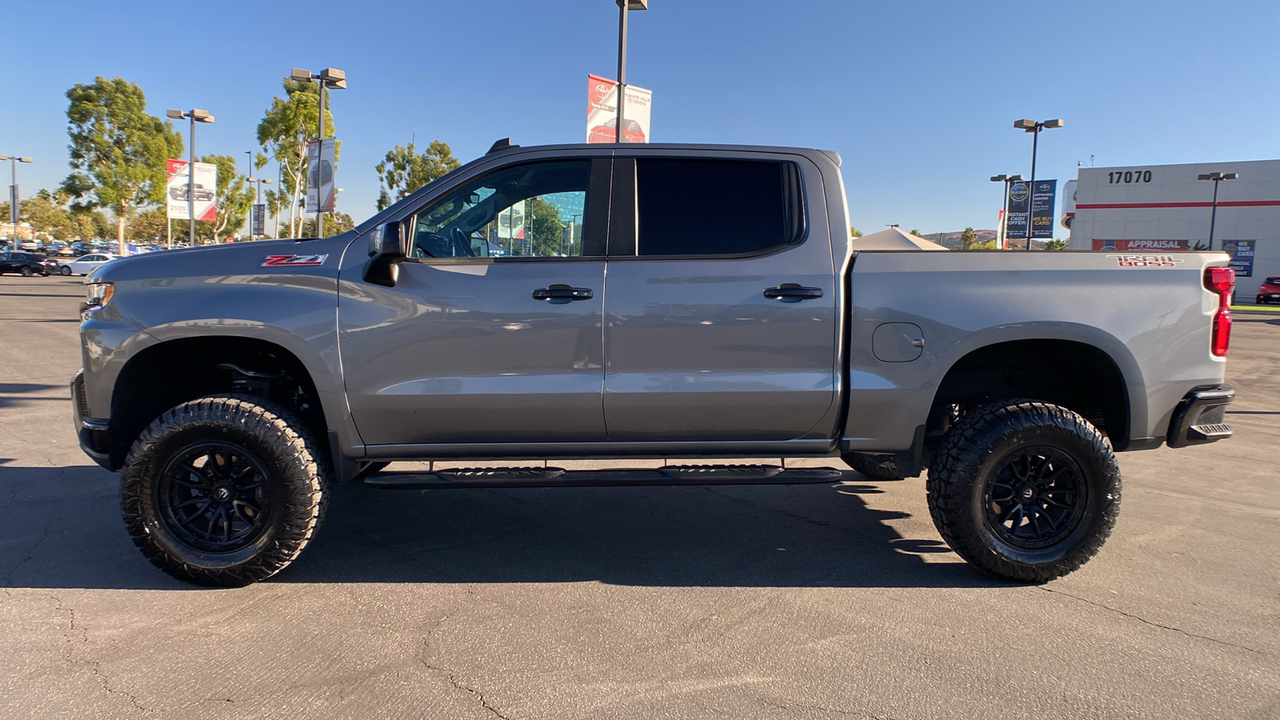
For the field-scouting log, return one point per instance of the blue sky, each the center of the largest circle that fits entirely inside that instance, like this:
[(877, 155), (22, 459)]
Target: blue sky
[(918, 98)]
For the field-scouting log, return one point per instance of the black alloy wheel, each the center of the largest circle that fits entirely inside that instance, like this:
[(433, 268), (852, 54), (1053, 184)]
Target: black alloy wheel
[(214, 497), (26, 271), (1035, 497)]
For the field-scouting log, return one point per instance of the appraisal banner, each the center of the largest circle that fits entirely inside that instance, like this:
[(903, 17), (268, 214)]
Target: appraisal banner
[(1042, 198), (203, 188)]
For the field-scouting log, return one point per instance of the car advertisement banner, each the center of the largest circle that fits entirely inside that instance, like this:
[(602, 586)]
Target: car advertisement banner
[(204, 188), (321, 164), (1042, 200), (259, 223), (1241, 252), (1141, 245), (602, 112), (1019, 201)]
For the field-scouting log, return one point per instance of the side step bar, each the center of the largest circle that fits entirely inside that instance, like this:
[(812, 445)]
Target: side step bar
[(532, 477)]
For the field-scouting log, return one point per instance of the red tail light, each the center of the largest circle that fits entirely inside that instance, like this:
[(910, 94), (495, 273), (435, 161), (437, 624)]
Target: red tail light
[(1222, 281)]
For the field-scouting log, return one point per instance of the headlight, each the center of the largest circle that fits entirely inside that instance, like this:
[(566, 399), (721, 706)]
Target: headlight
[(97, 294)]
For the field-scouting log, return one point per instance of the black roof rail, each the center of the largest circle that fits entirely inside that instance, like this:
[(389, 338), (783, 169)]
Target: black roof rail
[(500, 145)]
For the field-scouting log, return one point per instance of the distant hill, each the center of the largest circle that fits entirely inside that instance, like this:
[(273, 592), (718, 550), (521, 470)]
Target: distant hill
[(952, 239)]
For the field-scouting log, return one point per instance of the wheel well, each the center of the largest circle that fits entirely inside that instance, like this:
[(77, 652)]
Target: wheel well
[(1074, 375), (166, 375)]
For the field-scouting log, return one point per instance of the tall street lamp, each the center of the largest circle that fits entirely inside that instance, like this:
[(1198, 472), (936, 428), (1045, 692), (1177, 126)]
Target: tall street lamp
[(13, 196), (332, 79), (1216, 177), (1008, 181), (1034, 128), (257, 201), (196, 116), (623, 7)]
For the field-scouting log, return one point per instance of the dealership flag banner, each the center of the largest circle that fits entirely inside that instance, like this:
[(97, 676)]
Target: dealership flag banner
[(259, 223), (1241, 252), (320, 176), (1042, 198), (204, 188), (1019, 201), (602, 112)]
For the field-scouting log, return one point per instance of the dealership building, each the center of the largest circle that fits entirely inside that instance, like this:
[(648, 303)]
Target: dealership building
[(1149, 209)]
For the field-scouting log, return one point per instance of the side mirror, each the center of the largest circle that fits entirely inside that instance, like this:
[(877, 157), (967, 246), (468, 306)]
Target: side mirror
[(386, 250)]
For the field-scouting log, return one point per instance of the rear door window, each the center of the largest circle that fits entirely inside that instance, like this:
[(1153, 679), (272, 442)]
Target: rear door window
[(690, 206)]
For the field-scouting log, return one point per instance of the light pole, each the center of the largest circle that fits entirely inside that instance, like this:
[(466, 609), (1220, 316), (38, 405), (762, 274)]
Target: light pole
[(1008, 181), (1034, 128), (1216, 177), (13, 197), (196, 116), (257, 200), (332, 79), (623, 7)]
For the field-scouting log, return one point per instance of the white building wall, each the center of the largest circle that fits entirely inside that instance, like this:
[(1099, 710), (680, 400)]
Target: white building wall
[(1165, 208)]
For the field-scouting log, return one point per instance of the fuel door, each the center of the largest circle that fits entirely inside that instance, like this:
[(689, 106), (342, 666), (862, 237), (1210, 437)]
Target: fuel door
[(897, 342)]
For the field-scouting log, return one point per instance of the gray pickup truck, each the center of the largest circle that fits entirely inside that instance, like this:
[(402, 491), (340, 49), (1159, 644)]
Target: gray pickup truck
[(638, 301)]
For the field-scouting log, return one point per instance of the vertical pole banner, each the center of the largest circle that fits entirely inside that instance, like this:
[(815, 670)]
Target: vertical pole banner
[(259, 223), (1042, 198), (320, 163), (1019, 204), (602, 112), (204, 187)]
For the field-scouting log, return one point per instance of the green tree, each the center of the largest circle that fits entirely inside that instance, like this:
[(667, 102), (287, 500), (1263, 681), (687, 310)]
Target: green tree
[(150, 226), (47, 214), (286, 128), (546, 229), (335, 223), (118, 151), (917, 233), (1056, 244), (854, 232), (233, 198), (968, 238), (402, 171)]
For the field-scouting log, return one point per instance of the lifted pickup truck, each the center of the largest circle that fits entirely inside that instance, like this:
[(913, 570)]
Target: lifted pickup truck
[(655, 301)]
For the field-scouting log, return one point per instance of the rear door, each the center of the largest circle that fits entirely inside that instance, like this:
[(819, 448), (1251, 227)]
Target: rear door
[(720, 310)]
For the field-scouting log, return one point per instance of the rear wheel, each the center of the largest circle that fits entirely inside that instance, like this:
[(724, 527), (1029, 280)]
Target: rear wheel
[(26, 271), (224, 490), (66, 270), (1024, 491)]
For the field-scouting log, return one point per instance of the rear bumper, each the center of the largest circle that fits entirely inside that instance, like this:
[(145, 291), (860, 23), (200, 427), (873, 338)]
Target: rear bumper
[(1200, 417), (91, 432)]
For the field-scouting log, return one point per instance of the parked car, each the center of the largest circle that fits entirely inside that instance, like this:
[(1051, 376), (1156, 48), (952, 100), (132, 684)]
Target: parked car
[(212, 378), (26, 264), (1269, 290), (31, 246), (608, 132), (85, 264), (62, 250), (82, 248)]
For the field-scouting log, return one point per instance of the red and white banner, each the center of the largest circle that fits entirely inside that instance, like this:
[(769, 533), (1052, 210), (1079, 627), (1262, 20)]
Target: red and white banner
[(602, 112), (203, 188), (320, 175), (1142, 245)]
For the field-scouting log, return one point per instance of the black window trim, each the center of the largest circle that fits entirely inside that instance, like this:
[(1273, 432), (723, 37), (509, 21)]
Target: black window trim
[(623, 236)]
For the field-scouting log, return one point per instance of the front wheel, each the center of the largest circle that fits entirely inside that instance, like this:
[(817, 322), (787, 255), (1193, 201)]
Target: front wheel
[(1024, 491), (65, 270), (224, 490), (26, 271)]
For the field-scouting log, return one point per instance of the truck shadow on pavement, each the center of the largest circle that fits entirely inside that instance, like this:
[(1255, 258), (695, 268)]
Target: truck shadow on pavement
[(66, 532)]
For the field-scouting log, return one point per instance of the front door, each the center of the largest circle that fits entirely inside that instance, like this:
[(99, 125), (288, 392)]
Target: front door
[(492, 332)]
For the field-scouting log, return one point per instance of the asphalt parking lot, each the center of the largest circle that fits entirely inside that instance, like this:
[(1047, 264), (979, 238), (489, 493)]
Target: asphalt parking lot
[(808, 601)]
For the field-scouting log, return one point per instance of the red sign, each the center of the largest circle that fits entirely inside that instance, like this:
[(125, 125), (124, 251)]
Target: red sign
[(1142, 245)]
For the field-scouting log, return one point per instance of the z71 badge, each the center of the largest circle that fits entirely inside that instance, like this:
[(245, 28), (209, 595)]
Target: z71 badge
[(294, 260)]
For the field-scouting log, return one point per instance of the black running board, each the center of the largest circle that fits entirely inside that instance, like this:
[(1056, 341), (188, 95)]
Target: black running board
[(531, 477)]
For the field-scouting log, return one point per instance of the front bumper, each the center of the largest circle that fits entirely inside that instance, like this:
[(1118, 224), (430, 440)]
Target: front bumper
[(91, 432), (1199, 418)]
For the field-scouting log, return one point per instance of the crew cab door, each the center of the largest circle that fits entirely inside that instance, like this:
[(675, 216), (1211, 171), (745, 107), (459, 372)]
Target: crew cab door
[(721, 320), (491, 332)]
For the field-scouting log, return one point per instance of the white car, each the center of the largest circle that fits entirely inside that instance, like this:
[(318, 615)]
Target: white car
[(85, 264)]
